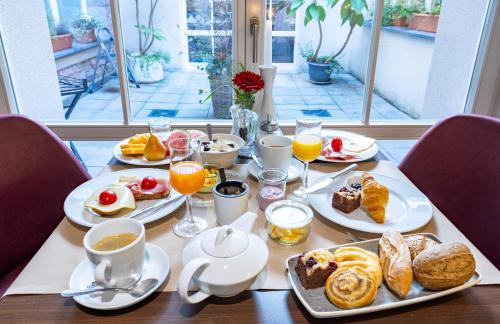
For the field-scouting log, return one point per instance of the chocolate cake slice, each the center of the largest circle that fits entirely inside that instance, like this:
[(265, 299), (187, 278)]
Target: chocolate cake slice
[(346, 200), (314, 267)]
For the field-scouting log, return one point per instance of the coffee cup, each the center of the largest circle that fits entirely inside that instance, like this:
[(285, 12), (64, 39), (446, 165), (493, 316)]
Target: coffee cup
[(230, 200), (276, 152), (116, 250)]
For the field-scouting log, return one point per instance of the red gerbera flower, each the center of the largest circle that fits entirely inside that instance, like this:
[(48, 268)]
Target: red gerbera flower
[(248, 81)]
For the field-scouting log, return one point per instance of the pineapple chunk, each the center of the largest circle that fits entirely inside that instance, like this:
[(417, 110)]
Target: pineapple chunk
[(132, 151), (124, 146)]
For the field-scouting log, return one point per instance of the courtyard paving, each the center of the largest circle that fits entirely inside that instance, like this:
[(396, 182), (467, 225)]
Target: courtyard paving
[(178, 96)]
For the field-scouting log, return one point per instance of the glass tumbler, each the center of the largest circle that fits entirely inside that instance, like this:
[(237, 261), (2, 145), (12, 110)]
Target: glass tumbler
[(160, 126), (272, 186)]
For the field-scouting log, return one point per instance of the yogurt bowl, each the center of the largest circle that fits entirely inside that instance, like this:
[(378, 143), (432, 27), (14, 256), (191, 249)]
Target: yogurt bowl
[(222, 150)]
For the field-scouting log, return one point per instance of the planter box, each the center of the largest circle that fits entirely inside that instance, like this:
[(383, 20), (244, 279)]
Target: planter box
[(85, 37), (222, 96), (400, 22), (62, 42), (424, 22)]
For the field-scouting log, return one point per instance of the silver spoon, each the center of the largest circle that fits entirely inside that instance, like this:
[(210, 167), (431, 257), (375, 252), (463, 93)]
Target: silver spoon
[(256, 159), (137, 290)]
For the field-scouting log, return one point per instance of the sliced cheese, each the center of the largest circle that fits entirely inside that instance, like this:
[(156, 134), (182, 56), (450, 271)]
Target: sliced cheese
[(125, 200), (357, 144)]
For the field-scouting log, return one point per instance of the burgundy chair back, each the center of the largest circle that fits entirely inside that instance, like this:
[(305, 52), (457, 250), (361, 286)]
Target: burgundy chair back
[(37, 172), (456, 164)]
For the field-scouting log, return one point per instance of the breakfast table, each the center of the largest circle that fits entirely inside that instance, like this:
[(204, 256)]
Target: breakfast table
[(34, 296)]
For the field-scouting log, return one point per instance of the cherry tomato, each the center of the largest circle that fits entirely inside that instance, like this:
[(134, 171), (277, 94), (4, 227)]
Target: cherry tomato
[(107, 197), (336, 144), (148, 183)]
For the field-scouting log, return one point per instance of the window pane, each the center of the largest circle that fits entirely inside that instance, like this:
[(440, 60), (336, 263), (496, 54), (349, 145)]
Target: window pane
[(332, 91), (66, 75), (424, 68), (190, 55), (283, 48)]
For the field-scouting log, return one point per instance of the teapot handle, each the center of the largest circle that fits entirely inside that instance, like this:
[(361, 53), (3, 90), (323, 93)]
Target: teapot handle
[(185, 278)]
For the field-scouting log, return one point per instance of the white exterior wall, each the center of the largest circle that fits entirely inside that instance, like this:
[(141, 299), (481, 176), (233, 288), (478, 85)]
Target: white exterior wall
[(26, 41), (403, 65), (455, 50), (170, 18)]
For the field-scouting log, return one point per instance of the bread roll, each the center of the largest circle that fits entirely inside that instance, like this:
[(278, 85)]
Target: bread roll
[(444, 266), (418, 243), (396, 264)]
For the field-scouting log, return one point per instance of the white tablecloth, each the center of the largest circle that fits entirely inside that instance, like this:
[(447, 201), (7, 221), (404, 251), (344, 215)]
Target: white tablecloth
[(50, 269)]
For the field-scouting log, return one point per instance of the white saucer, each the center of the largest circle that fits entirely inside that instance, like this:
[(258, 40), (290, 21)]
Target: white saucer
[(295, 170), (156, 265)]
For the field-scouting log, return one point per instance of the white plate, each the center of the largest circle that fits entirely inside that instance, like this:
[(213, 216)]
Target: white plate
[(139, 160), (407, 210), (316, 303), (156, 265), (295, 170), (74, 209), (363, 156)]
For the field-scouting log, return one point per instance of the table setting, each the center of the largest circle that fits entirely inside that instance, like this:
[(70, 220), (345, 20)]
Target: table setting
[(198, 222)]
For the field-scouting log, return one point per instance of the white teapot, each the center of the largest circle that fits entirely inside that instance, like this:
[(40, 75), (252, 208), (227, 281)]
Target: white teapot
[(222, 261)]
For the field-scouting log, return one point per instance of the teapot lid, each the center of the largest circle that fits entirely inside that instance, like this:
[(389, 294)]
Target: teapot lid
[(225, 242)]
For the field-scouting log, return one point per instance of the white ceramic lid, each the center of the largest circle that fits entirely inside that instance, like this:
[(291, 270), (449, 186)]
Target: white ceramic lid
[(224, 242), (234, 255)]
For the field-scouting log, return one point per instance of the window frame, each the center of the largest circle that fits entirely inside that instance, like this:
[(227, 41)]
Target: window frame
[(242, 53)]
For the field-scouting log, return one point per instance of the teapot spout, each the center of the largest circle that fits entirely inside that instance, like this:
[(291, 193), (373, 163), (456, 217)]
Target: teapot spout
[(245, 222)]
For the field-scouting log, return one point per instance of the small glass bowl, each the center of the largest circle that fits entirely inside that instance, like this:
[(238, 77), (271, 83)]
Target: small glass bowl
[(354, 182), (288, 222)]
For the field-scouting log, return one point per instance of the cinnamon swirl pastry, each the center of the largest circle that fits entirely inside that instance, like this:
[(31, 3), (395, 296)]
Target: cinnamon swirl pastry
[(350, 256), (351, 287)]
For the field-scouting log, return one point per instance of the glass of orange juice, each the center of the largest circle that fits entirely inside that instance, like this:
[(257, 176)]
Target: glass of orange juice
[(307, 147), (187, 177)]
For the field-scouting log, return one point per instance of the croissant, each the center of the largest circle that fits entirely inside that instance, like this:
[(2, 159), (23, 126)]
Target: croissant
[(374, 197)]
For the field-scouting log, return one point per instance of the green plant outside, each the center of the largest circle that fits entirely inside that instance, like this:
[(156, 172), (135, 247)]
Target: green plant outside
[(335, 65), (52, 24), (147, 60), (392, 12), (351, 12), (85, 24)]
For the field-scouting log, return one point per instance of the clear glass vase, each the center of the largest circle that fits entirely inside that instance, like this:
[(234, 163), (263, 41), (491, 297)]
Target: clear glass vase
[(244, 126)]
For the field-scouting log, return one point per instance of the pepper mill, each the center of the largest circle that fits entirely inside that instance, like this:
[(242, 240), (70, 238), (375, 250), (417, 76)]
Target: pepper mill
[(268, 123)]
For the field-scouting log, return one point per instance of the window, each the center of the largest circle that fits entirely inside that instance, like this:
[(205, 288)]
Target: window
[(178, 52)]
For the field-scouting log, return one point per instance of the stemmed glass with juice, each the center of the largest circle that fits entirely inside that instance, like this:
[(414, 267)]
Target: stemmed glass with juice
[(307, 147), (187, 177)]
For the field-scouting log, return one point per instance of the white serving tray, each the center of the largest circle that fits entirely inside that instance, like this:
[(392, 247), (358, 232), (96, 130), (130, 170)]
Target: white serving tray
[(318, 305)]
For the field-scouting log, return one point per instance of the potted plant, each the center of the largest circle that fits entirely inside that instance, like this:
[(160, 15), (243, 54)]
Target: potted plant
[(219, 71), (147, 66), (218, 59), (321, 67), (397, 15), (60, 37), (84, 29), (426, 21)]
